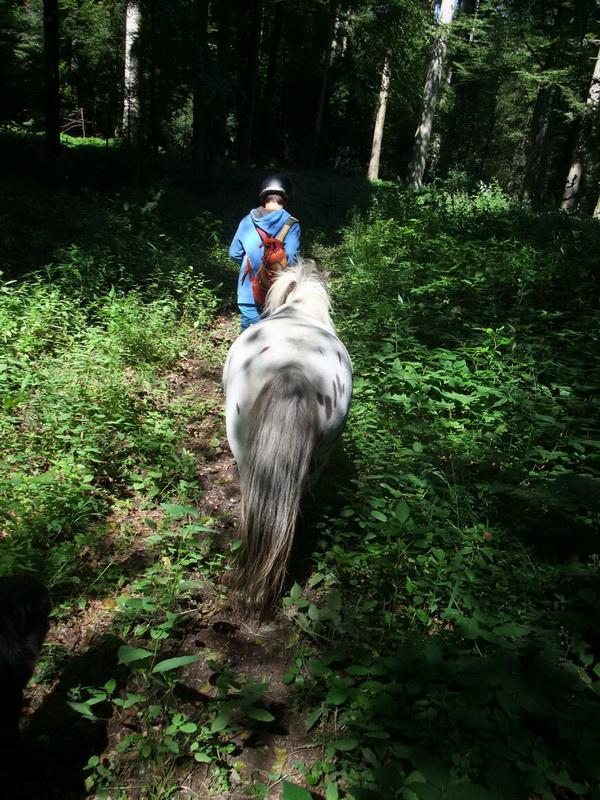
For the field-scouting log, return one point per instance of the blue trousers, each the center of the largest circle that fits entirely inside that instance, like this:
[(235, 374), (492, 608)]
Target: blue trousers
[(250, 314)]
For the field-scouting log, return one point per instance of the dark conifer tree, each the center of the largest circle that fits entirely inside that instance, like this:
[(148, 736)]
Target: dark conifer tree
[(51, 76)]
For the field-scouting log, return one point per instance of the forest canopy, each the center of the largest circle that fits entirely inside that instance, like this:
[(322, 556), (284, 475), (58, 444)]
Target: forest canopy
[(511, 87)]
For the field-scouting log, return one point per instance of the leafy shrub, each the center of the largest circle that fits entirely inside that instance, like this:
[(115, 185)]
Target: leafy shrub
[(82, 403), (458, 651)]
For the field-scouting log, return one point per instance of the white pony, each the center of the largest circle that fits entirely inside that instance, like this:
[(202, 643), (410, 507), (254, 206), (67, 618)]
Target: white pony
[(288, 384)]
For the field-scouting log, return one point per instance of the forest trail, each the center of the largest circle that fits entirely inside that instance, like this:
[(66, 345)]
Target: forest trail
[(263, 752), (259, 652)]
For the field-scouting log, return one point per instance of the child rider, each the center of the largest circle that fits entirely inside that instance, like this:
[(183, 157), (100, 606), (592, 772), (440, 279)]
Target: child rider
[(273, 220)]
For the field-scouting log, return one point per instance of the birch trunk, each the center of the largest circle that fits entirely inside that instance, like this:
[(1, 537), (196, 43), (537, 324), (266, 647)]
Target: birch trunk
[(416, 169), (582, 145), (131, 98), (384, 91)]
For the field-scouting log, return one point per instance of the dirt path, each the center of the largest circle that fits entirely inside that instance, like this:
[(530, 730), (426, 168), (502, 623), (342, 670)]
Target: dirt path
[(259, 652)]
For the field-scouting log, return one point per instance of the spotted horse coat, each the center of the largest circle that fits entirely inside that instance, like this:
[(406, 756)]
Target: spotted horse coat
[(288, 338), (288, 384)]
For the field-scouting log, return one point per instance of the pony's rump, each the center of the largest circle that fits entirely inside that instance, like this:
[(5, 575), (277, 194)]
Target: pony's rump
[(281, 441)]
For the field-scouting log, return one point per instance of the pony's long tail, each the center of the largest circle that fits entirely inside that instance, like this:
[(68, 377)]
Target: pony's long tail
[(280, 448)]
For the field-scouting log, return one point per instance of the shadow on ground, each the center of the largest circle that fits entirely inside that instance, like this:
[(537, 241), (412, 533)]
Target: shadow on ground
[(56, 741)]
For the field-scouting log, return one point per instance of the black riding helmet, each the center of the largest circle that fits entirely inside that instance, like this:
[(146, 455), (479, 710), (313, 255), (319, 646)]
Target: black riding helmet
[(276, 184)]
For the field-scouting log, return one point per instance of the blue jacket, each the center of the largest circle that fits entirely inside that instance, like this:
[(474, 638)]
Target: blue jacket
[(246, 244)]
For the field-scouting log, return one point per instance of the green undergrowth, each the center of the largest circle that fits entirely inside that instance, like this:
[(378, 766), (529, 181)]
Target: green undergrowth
[(445, 640), (452, 648), (98, 486), (84, 407)]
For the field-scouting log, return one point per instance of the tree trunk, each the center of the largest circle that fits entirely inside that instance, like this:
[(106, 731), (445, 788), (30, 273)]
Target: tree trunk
[(416, 169), (220, 137), (535, 167), (534, 178), (465, 106), (490, 127), (51, 77), (384, 91), (582, 148), (200, 83), (270, 88), (248, 122), (331, 46), (154, 123), (131, 98)]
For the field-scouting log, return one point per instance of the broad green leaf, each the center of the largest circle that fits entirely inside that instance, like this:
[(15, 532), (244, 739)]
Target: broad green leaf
[(171, 745), (337, 696), (378, 515), (357, 669), (402, 511), (127, 654), (125, 743), (332, 792), (296, 591), (377, 734), (312, 718), (512, 629), (174, 663), (426, 791), (188, 727), (293, 792), (261, 714), (97, 698), (177, 511), (220, 722), (83, 709), (131, 700), (345, 744), (432, 768), (203, 758), (317, 667), (563, 779)]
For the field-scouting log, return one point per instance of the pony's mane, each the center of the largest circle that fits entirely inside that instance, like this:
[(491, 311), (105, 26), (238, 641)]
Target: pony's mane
[(300, 282)]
